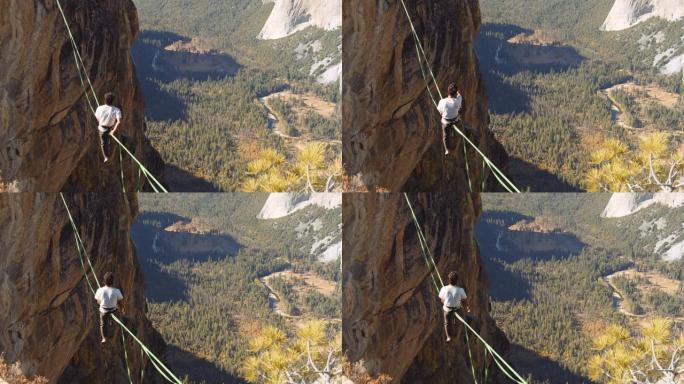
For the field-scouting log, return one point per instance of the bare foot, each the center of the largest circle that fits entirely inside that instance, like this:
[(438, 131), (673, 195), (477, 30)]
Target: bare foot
[(106, 159), (446, 153), (448, 339), (104, 341)]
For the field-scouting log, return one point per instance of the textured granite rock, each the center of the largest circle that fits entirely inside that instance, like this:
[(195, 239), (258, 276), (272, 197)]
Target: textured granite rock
[(391, 129), (48, 134), (392, 317)]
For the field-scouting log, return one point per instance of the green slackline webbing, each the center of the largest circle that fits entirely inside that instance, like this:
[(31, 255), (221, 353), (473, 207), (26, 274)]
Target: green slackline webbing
[(80, 66), (465, 158), (123, 184), (470, 356), (501, 178), (128, 366), (161, 368), (505, 368)]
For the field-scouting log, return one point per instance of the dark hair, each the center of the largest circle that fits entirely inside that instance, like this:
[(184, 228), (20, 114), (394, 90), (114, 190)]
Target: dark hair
[(453, 278), (453, 89), (109, 98), (109, 279)]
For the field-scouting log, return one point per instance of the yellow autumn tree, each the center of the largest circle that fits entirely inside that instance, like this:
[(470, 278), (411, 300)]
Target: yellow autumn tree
[(309, 356), (12, 374), (652, 356), (656, 165), (308, 172)]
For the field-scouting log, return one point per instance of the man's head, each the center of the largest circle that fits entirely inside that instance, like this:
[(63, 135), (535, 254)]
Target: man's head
[(453, 278), (452, 90), (109, 279), (109, 98)]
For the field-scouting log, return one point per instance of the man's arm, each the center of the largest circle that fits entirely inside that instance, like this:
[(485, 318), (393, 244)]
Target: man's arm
[(465, 303), (116, 126)]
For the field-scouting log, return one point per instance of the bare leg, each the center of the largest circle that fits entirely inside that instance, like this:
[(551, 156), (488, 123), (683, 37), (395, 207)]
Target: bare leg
[(103, 326), (447, 315), (445, 126), (104, 144)]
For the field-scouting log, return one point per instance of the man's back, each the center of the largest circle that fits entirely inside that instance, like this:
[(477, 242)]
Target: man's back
[(452, 296), (450, 107), (107, 115), (108, 297)]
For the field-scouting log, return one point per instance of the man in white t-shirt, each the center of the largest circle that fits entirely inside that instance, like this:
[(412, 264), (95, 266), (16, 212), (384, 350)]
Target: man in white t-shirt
[(450, 108), (108, 297), (453, 298), (108, 118)]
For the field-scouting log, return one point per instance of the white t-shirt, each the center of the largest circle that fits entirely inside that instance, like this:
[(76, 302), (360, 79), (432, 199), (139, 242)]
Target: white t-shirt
[(452, 296), (108, 297), (450, 107), (106, 116)]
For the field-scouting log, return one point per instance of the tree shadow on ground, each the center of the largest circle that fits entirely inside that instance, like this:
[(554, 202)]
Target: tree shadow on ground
[(197, 369), (180, 180), (528, 176), (542, 369)]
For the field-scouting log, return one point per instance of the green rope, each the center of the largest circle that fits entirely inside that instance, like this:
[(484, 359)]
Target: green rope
[(128, 366), (503, 180), (123, 184), (470, 355), (161, 368), (500, 361), (83, 74), (465, 158)]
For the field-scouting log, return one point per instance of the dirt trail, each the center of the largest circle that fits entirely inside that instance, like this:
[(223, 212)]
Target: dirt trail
[(325, 109)]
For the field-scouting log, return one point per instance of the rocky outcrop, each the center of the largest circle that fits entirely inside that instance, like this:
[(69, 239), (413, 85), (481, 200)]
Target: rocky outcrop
[(624, 204), (48, 134), (282, 204), (628, 13), (391, 129), (290, 16), (391, 314), (52, 327)]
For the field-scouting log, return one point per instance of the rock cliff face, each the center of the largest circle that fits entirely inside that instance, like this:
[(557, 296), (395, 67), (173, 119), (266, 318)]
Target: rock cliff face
[(51, 328), (391, 314), (628, 13), (48, 135), (290, 16), (391, 130)]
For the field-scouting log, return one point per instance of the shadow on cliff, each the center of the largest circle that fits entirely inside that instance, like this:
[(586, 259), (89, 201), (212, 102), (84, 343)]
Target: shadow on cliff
[(197, 369), (502, 52), (157, 65), (542, 369), (158, 248), (500, 247)]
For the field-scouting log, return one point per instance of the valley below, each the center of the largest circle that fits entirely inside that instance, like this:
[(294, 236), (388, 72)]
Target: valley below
[(560, 275)]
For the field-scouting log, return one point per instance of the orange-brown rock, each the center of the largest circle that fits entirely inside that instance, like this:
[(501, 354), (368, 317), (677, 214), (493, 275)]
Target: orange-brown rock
[(392, 319), (49, 143), (48, 134), (391, 129), (49, 320)]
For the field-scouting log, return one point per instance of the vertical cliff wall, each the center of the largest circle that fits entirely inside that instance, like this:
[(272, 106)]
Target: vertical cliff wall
[(392, 317), (391, 130), (49, 321), (48, 135)]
